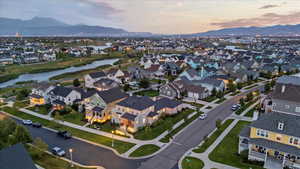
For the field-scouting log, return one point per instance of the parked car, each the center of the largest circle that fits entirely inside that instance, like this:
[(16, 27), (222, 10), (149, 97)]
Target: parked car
[(64, 134), (27, 122), (235, 107), (37, 125), (203, 116), (58, 151)]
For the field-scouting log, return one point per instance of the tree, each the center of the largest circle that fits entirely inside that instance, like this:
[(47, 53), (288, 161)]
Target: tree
[(249, 96), (22, 135), (214, 92), (242, 102), (126, 87), (22, 94), (272, 83), (239, 85), (76, 83), (218, 123), (41, 147), (267, 87), (231, 86), (220, 94), (144, 83)]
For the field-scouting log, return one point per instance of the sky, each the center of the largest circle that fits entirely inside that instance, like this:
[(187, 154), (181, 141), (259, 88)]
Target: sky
[(159, 16)]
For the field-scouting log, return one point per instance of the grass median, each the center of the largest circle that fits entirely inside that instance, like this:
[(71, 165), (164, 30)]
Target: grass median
[(145, 150), (192, 163), (210, 140), (119, 146)]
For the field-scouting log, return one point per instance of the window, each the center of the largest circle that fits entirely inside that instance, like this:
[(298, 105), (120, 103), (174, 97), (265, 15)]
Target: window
[(294, 141), (278, 137), (298, 109), (280, 126), (262, 133)]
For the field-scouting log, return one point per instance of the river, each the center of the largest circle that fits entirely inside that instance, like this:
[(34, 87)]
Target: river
[(45, 76)]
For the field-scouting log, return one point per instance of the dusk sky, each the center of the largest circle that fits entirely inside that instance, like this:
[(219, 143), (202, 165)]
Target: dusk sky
[(159, 16)]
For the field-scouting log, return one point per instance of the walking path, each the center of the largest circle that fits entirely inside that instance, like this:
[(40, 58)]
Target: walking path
[(208, 164)]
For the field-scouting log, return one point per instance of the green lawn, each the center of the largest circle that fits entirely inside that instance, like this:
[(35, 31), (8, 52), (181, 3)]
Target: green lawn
[(192, 163), (161, 126), (144, 150), (48, 161), (120, 146), (195, 104), (250, 112), (221, 100), (75, 117), (43, 109), (227, 151), (166, 139), (21, 104), (210, 140), (150, 93)]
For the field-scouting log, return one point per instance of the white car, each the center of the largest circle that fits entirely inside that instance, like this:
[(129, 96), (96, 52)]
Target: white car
[(58, 151), (203, 116), (27, 122)]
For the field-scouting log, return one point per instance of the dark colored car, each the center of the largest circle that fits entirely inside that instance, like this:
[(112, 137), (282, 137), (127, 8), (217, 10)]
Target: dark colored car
[(64, 134), (37, 125)]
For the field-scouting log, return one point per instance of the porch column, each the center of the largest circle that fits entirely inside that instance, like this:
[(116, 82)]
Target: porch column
[(266, 155), (283, 161)]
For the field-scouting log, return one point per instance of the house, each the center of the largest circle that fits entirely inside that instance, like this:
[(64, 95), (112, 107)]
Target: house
[(39, 94), (191, 74), (66, 95), (155, 71), (170, 90), (168, 106), (105, 84), (91, 78), (197, 92), (132, 112), (285, 97), (99, 104), (116, 75), (273, 139), (211, 84), (16, 157)]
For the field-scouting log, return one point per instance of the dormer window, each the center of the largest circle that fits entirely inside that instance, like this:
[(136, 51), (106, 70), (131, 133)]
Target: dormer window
[(280, 126)]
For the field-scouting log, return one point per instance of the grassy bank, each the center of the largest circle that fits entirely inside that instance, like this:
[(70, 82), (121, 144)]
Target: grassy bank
[(120, 146), (145, 150)]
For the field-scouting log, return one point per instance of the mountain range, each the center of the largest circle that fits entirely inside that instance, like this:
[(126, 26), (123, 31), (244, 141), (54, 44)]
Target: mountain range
[(43, 26)]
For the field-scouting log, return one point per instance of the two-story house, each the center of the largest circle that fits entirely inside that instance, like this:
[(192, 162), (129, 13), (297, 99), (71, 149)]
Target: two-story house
[(131, 113), (91, 78)]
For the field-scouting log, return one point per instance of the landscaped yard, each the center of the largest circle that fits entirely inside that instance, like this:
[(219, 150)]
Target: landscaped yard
[(48, 161), (120, 146), (250, 112), (210, 140), (75, 117), (161, 126), (243, 108), (166, 139), (235, 93), (197, 105), (43, 109), (192, 163), (227, 151), (150, 93), (144, 150), (210, 98)]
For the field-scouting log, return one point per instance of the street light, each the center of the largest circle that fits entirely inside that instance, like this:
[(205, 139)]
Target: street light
[(112, 138), (71, 155)]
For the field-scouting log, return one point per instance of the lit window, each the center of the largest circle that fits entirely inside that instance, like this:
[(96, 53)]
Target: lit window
[(298, 109)]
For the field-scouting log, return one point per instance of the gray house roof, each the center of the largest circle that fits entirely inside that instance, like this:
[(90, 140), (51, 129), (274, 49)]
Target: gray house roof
[(270, 122), (112, 95), (166, 103), (16, 157), (128, 116), (137, 103), (97, 74), (61, 91), (287, 92), (289, 80)]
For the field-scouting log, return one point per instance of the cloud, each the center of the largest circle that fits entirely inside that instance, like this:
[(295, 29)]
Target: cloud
[(264, 20), (268, 6)]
